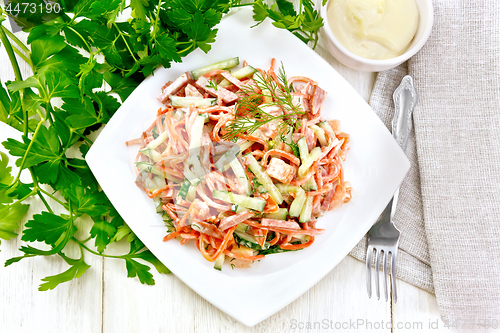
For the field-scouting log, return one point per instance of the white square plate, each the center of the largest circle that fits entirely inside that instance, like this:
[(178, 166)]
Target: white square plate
[(375, 166)]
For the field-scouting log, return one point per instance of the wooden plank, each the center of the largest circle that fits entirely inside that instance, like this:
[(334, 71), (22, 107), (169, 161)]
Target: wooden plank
[(416, 310), (337, 300)]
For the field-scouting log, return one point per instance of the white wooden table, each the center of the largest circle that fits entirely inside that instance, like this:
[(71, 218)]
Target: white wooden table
[(105, 300)]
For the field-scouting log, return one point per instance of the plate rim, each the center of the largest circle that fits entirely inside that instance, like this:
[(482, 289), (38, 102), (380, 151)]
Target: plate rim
[(93, 161)]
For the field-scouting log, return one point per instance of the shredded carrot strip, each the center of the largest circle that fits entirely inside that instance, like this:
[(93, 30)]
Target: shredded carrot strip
[(297, 246), (171, 235), (237, 256), (308, 176), (292, 158), (323, 190)]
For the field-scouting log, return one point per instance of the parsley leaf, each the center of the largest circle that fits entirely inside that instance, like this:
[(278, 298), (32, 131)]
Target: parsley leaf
[(76, 270), (44, 149), (149, 257), (81, 113), (122, 86), (10, 216), (103, 232), (286, 7), (48, 228), (135, 268), (83, 201), (45, 46)]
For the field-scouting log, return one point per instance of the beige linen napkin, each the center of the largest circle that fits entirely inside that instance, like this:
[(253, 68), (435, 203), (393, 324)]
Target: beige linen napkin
[(449, 207)]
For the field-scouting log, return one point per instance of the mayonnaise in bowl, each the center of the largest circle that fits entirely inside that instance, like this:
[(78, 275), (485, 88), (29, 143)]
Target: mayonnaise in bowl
[(374, 29)]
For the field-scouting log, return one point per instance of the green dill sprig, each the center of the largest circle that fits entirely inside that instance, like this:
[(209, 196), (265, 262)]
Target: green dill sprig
[(212, 83), (293, 146), (249, 113)]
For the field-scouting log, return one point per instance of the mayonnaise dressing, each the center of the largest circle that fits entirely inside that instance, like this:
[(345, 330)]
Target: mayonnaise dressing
[(374, 29)]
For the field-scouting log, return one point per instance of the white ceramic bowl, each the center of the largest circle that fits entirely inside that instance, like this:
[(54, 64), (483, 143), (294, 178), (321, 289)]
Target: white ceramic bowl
[(346, 57)]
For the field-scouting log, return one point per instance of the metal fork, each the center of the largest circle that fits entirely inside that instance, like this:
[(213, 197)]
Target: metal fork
[(383, 237)]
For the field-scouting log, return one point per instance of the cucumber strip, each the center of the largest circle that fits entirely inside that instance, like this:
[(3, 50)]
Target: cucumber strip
[(305, 213), (191, 177), (245, 145), (247, 202), (225, 64), (230, 159), (219, 261), (310, 185), (157, 202), (183, 191), (320, 134), (179, 114), (326, 126), (237, 208), (288, 140), (155, 183), (149, 167), (298, 202), (151, 153), (158, 141), (242, 227), (191, 194), (248, 241), (243, 250), (225, 160), (196, 132), (301, 237), (241, 175), (281, 214), (303, 150), (308, 161), (187, 101), (264, 179), (267, 98), (261, 189), (194, 148), (239, 74)]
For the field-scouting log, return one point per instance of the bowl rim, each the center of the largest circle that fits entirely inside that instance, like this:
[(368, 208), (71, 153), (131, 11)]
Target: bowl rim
[(384, 62)]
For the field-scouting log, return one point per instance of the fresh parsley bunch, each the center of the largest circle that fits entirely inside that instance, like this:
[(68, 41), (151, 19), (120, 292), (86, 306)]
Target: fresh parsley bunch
[(72, 57), (303, 23)]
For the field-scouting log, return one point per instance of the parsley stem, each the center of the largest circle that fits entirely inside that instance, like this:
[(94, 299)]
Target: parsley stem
[(86, 239), (243, 4), (28, 149), (155, 26), (37, 189), (19, 53), (50, 196), (80, 243), (10, 53), (75, 166), (16, 40), (81, 37), (45, 203), (27, 196), (126, 43)]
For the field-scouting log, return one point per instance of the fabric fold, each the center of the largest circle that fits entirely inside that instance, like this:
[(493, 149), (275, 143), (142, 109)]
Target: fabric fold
[(449, 209)]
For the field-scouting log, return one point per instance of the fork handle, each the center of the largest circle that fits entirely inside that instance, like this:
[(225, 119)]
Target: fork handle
[(394, 204), (405, 97)]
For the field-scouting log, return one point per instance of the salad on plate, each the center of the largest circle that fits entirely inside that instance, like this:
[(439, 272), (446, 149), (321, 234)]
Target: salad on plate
[(241, 162)]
